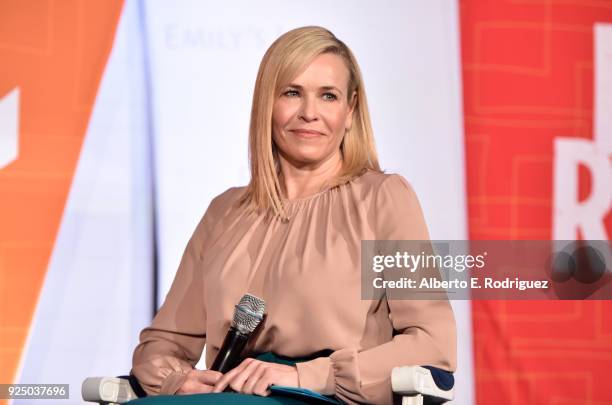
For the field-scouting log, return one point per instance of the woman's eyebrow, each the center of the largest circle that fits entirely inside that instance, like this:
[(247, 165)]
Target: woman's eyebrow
[(331, 88), (324, 88)]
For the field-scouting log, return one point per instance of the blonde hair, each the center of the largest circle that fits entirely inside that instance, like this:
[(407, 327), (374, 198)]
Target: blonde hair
[(285, 58)]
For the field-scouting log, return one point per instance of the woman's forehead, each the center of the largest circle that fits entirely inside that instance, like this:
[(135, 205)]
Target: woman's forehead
[(325, 70)]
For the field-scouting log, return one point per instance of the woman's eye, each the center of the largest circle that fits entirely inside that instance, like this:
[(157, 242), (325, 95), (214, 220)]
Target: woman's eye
[(329, 96), (291, 93)]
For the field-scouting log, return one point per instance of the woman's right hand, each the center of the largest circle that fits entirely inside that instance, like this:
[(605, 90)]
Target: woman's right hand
[(199, 382)]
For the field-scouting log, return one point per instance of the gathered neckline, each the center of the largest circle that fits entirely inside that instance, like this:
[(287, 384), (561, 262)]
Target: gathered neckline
[(309, 197), (327, 190)]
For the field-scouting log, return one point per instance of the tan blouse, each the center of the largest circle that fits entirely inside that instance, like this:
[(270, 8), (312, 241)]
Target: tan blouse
[(308, 271)]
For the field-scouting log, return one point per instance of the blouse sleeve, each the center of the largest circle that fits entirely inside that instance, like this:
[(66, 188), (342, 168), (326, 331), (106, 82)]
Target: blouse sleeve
[(173, 344), (425, 330)]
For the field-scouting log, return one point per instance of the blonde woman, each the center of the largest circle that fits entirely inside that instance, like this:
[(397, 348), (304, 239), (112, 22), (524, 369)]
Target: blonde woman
[(292, 237)]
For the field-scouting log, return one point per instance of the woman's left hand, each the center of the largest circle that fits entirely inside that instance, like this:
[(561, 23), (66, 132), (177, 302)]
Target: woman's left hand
[(255, 377)]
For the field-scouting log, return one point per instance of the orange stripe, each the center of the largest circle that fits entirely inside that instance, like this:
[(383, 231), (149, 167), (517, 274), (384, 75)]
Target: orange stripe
[(55, 52)]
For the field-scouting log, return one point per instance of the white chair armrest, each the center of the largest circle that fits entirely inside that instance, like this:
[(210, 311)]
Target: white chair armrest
[(417, 381), (107, 390)]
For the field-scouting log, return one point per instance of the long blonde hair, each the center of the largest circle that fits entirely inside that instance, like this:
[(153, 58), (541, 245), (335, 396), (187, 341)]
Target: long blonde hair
[(285, 58)]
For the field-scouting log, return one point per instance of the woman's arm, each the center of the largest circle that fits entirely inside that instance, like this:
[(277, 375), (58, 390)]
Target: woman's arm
[(365, 376), (426, 331), (172, 345)]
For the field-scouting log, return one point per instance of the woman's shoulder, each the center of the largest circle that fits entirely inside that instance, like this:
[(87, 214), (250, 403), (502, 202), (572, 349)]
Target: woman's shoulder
[(226, 200), (230, 195), (374, 181), (398, 213), (218, 208)]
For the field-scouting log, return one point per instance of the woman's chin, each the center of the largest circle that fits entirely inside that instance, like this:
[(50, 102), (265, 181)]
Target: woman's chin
[(306, 160), (306, 155)]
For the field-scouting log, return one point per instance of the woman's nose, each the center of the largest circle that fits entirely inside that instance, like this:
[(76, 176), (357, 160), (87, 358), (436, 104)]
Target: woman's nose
[(308, 110)]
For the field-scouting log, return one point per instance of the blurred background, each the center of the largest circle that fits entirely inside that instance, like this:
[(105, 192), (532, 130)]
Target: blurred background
[(121, 120)]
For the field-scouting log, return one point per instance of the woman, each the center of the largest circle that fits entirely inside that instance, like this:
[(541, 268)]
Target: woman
[(292, 237)]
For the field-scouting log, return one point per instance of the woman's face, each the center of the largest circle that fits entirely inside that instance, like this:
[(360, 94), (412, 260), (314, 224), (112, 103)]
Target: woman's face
[(312, 113)]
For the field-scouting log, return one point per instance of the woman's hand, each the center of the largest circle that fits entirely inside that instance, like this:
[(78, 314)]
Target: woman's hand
[(255, 377), (200, 382)]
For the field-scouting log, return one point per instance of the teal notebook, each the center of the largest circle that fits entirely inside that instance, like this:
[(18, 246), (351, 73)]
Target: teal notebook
[(304, 394)]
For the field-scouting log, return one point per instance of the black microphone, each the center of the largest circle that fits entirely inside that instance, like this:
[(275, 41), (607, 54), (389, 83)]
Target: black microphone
[(248, 314)]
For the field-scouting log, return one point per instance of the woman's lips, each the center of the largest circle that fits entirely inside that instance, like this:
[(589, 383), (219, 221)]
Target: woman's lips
[(305, 133)]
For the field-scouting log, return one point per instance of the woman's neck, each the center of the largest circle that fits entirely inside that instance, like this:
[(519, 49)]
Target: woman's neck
[(303, 181)]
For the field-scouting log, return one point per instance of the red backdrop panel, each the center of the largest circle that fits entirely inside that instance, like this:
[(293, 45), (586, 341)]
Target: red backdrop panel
[(528, 79)]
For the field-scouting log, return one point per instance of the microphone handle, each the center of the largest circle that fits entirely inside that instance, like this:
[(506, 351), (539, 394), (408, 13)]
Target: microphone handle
[(229, 355)]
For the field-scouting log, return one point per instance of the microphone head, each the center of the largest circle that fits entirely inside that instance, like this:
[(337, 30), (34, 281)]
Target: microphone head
[(248, 313)]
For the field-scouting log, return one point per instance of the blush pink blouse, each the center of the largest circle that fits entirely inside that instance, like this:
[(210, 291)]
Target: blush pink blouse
[(308, 271)]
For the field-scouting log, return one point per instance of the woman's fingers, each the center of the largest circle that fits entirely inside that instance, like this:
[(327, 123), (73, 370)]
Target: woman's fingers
[(199, 382), (208, 377), (255, 376), (202, 388), (228, 377), (239, 379), (262, 386), (193, 386)]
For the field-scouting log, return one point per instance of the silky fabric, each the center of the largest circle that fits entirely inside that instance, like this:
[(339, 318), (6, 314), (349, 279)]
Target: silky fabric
[(307, 268)]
